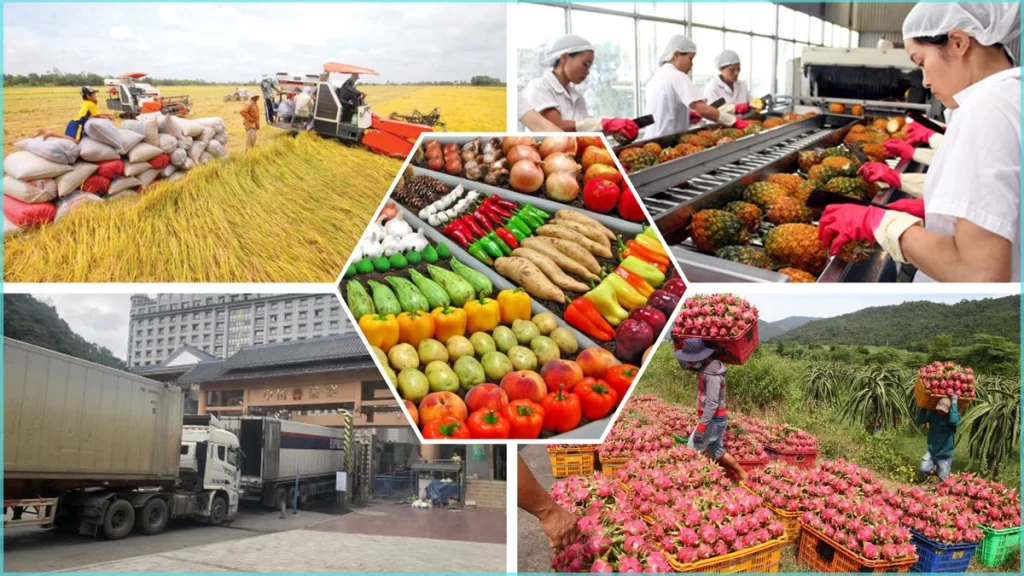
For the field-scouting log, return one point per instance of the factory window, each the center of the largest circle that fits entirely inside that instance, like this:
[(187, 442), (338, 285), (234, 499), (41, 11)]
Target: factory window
[(712, 14), (273, 330), (761, 66), (286, 340), (181, 340), (319, 300), (273, 317), (195, 327), (220, 300), (138, 354), (162, 319), (170, 350), (260, 308), (206, 337), (287, 329), (149, 332), (302, 315), (171, 330), (172, 318), (150, 309), (288, 305), (335, 310), (209, 301), (302, 327), (149, 342), (302, 337), (218, 350), (148, 362), (195, 315), (159, 341), (149, 353), (220, 326), (138, 343), (259, 321), (318, 326), (273, 306), (209, 314), (220, 314), (219, 338), (159, 330), (151, 322), (206, 325), (138, 332), (259, 334), (195, 338), (334, 324), (318, 314), (288, 317), (272, 340), (206, 349), (304, 302)]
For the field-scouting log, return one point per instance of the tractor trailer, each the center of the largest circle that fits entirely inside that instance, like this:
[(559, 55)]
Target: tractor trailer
[(98, 451)]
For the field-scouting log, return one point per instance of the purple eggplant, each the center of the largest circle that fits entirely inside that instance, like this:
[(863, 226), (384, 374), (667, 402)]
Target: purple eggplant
[(632, 338)]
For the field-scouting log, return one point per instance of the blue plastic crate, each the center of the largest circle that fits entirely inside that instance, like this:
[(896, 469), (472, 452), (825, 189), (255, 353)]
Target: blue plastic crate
[(936, 557)]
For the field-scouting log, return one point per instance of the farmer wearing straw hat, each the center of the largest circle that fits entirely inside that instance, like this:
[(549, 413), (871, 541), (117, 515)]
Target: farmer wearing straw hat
[(942, 423), (713, 419)]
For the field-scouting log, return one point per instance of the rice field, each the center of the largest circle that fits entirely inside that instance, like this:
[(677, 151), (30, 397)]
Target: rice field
[(289, 211)]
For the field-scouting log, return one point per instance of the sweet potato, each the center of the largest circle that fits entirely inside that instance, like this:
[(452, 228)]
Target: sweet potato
[(567, 264), (574, 251), (526, 274), (551, 270), (587, 220), (569, 235), (588, 231)]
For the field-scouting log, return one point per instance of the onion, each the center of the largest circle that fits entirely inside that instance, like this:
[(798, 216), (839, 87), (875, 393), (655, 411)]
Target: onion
[(389, 211), (553, 144), (509, 141), (433, 144), (451, 147), (522, 152), (562, 186), (436, 164), (526, 176), (453, 166), (433, 153), (560, 162)]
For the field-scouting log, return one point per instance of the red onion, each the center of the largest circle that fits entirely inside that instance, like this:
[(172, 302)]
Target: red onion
[(436, 164), (526, 176)]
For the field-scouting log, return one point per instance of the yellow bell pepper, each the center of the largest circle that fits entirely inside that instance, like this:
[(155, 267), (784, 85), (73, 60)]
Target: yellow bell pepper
[(514, 304), (448, 322), (605, 300), (415, 326), (627, 296), (648, 240), (380, 330), (482, 315)]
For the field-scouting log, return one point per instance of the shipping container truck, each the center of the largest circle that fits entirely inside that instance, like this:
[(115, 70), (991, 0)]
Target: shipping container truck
[(275, 452), (98, 451)]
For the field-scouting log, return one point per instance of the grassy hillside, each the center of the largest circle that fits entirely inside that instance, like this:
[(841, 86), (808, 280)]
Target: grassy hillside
[(769, 330), (37, 323)]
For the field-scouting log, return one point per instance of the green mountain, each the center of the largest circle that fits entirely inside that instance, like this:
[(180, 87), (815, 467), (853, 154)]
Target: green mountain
[(37, 323), (914, 325), (769, 330)]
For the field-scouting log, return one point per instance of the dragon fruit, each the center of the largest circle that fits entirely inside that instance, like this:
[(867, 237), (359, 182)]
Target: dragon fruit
[(997, 506), (713, 316), (946, 379)]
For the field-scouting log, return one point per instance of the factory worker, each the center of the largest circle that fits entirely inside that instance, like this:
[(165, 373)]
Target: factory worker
[(532, 119), (727, 84), (671, 94), (555, 97), (966, 227)]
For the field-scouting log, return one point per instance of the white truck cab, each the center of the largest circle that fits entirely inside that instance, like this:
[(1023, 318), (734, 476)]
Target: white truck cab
[(210, 462)]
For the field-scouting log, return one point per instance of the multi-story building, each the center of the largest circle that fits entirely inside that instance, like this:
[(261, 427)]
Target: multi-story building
[(222, 324)]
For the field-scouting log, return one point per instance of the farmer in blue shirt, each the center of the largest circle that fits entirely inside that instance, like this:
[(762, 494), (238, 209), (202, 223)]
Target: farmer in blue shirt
[(942, 423)]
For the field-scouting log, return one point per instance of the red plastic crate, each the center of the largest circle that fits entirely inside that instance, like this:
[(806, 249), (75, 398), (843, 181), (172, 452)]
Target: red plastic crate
[(823, 554), (735, 351), (798, 458)]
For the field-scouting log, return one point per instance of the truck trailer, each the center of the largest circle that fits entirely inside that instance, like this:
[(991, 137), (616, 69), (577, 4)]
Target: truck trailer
[(98, 451), (276, 452)]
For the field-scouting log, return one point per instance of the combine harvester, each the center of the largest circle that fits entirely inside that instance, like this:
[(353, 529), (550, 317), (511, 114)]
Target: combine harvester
[(382, 135), (128, 97)]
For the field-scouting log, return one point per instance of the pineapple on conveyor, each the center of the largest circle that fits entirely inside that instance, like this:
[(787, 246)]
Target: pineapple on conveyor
[(842, 165), (636, 159), (745, 255), (762, 194), (417, 192), (711, 230), (798, 276), (803, 191), (749, 213), (786, 210), (821, 174), (797, 246), (788, 181), (808, 159), (669, 154), (837, 151), (849, 187), (653, 147)]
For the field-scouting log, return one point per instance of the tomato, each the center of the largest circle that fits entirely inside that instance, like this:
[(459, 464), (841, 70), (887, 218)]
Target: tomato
[(597, 398), (562, 411), (620, 377), (488, 424), (446, 428), (526, 419)]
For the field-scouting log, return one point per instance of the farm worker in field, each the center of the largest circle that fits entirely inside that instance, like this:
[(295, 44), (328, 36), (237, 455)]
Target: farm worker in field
[(251, 118), (558, 524), (304, 106), (532, 119), (554, 95), (76, 127), (728, 86), (713, 419), (963, 222), (349, 97), (269, 88), (942, 423), (672, 95)]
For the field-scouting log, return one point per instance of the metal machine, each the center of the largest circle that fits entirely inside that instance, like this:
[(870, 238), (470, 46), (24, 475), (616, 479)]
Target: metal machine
[(129, 97), (237, 95), (382, 135)]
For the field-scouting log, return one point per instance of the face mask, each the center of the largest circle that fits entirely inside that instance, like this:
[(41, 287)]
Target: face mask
[(695, 365)]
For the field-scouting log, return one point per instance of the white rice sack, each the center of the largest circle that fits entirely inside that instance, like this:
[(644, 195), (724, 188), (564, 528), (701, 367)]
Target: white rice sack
[(189, 164), (168, 171), (56, 150), (136, 168), (286, 109), (104, 132), (150, 130), (216, 148), (123, 194), (151, 117), (167, 143), (72, 201), (176, 176), (147, 177), (143, 153), (207, 135), (27, 166), (10, 228), (205, 158), (185, 142), (122, 184), (171, 125), (222, 138), (189, 127), (95, 151), (196, 150), (213, 122), (130, 139), (178, 157), (32, 191), (80, 171)]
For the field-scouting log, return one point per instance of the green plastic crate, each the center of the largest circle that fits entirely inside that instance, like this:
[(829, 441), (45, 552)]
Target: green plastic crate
[(998, 545)]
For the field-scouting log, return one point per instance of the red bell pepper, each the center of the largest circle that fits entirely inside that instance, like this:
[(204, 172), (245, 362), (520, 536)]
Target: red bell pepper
[(508, 238), (473, 227)]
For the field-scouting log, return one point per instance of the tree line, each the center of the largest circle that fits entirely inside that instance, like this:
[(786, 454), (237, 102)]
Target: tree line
[(38, 323), (57, 78)]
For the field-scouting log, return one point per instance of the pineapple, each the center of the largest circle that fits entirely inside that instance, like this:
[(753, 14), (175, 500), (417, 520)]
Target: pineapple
[(733, 133), (858, 128), (854, 137), (798, 276), (787, 210), (773, 123), (653, 147), (803, 191), (745, 255), (843, 166), (788, 181), (821, 173), (419, 191), (808, 159), (749, 213), (796, 245), (837, 151), (763, 193), (700, 139), (725, 140), (637, 159), (881, 123), (687, 149), (855, 251), (874, 152), (810, 114), (791, 117), (850, 187), (714, 229), (669, 154), (752, 129)]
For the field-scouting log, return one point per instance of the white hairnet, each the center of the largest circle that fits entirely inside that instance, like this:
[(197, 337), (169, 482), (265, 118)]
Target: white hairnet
[(307, 91), (568, 44), (726, 58), (987, 22), (677, 43)]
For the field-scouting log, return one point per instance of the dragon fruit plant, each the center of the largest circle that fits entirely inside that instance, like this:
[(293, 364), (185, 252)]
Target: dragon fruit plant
[(714, 316), (940, 519), (869, 529), (997, 506), (946, 379)]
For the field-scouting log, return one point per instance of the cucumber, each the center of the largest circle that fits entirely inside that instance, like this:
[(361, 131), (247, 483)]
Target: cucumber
[(456, 286), (359, 302), (409, 297), (480, 283), (384, 299), (436, 296)]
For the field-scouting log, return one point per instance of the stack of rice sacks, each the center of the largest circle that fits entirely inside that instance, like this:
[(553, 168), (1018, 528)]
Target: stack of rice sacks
[(46, 179)]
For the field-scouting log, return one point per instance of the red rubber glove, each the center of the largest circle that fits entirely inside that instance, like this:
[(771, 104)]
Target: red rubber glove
[(895, 147), (741, 123), (741, 108), (623, 126), (912, 206), (918, 134), (841, 223), (694, 117), (875, 171)]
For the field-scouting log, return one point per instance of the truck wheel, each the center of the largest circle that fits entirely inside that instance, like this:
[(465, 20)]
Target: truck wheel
[(118, 520), (154, 517), (218, 511)]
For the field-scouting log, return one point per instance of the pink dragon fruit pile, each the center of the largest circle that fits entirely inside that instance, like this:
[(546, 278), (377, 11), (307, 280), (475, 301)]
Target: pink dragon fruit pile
[(785, 438), (869, 529), (576, 493), (742, 445), (940, 519), (948, 379), (627, 442), (713, 522), (714, 316), (997, 505), (842, 477), (662, 486), (783, 486), (649, 410)]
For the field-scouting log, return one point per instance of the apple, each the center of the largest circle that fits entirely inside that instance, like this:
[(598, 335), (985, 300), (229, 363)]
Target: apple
[(558, 373), (597, 155), (584, 142), (610, 173), (413, 412), (486, 396), (596, 361), (524, 384), (441, 404), (600, 195)]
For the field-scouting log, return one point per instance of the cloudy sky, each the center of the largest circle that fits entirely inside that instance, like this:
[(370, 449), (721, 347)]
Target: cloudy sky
[(99, 318), (405, 42)]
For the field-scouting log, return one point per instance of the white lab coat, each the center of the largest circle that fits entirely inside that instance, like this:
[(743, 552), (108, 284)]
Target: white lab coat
[(717, 88), (976, 171), (546, 92), (670, 93)]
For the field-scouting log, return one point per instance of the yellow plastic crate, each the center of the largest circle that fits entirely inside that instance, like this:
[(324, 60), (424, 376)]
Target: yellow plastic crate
[(571, 462), (762, 559), (612, 465)]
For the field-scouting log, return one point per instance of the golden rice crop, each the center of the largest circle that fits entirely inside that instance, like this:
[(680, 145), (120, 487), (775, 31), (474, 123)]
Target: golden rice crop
[(463, 108), (287, 211)]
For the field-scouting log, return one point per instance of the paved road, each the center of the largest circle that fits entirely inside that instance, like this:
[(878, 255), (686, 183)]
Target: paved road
[(534, 552)]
